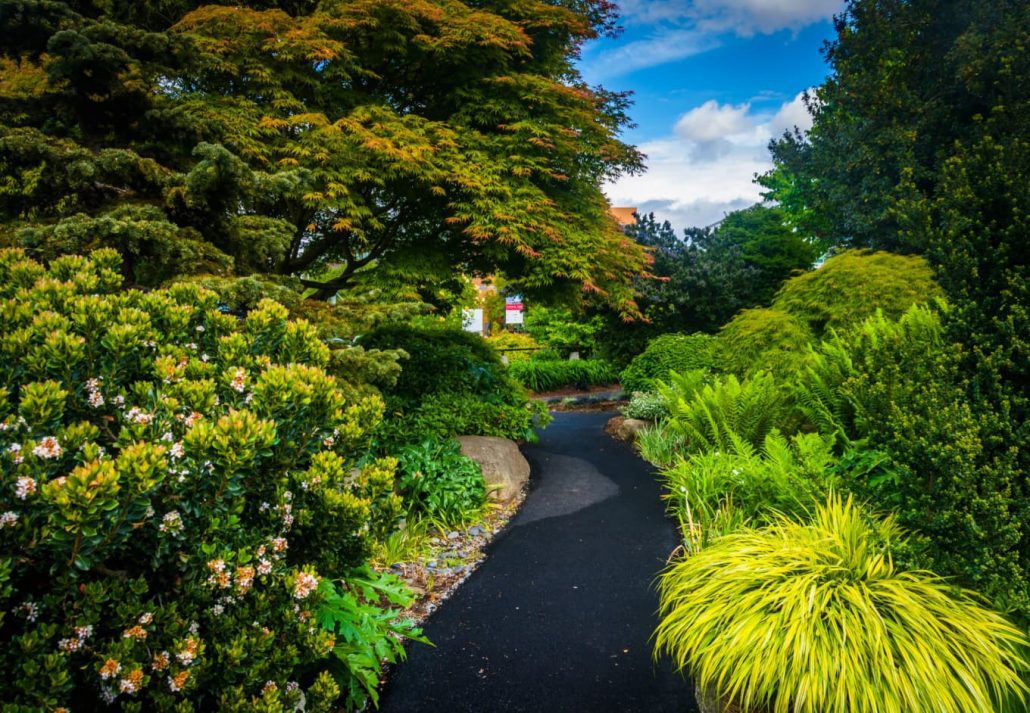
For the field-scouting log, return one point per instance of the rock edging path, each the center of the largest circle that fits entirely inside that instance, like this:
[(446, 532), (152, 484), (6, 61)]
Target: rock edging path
[(559, 616)]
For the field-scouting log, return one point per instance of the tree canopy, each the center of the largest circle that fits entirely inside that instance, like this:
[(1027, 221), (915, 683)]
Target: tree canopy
[(315, 139)]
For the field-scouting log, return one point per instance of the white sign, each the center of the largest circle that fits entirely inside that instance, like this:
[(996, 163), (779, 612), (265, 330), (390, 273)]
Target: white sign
[(472, 320), (513, 310)]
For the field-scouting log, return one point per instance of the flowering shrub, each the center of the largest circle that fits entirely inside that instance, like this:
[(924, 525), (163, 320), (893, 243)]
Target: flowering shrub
[(177, 498)]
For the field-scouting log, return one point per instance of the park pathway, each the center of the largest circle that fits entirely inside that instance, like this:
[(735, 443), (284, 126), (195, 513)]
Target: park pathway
[(559, 616)]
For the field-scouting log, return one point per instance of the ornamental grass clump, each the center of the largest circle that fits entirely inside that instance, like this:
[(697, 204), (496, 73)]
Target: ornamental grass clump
[(817, 618), (182, 514)]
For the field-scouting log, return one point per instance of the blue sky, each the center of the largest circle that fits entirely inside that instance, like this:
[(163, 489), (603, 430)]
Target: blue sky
[(713, 82)]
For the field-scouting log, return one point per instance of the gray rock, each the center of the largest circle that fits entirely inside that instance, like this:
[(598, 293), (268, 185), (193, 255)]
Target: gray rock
[(453, 535), (505, 469), (475, 531), (625, 429)]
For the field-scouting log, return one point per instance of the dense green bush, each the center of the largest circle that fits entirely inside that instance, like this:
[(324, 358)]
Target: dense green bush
[(550, 374), (452, 383), (181, 508), (669, 352), (439, 482), (894, 388), (836, 296), (817, 618)]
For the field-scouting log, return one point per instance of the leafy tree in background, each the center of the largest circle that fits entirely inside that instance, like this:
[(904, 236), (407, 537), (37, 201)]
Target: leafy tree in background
[(317, 140), (707, 276), (910, 78)]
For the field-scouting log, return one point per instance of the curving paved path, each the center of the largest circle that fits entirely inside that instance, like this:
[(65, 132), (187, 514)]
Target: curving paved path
[(559, 616)]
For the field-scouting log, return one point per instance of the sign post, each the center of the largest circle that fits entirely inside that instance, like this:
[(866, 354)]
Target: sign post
[(513, 310)]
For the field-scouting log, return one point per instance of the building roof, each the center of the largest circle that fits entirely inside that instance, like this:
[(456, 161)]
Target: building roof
[(625, 215)]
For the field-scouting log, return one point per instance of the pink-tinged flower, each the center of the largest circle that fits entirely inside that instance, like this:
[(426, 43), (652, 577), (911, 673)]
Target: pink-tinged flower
[(48, 448), (188, 652), (304, 585), (110, 669), (244, 579), (176, 451), (8, 519), (176, 682), (24, 487), (145, 618), (171, 522), (15, 450), (269, 687), (279, 544), (96, 399), (138, 415), (131, 683), (69, 645), (239, 380), (161, 661), (29, 610), (135, 632), (264, 566)]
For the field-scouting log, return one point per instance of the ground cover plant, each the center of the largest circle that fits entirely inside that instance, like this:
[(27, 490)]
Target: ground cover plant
[(439, 483), (183, 521)]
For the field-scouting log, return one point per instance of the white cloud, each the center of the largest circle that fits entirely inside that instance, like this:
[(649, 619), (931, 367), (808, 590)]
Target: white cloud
[(683, 28), (712, 121), (705, 167)]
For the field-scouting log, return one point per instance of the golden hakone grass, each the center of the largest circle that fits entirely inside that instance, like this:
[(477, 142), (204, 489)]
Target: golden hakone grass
[(816, 618)]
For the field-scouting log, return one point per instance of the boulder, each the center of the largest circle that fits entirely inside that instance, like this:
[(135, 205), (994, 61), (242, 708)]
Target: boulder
[(625, 429), (505, 469)]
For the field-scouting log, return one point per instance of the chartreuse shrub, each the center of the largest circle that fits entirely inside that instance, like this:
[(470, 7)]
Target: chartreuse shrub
[(452, 383), (816, 617), (504, 341), (835, 297), (440, 483), (180, 512), (669, 352), (547, 375)]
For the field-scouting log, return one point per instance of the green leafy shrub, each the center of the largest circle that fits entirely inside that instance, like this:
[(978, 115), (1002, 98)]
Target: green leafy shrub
[(439, 482), (563, 331), (716, 492), (764, 339), (816, 618), (837, 296), (646, 406), (452, 383), (548, 375), (179, 497), (503, 341), (669, 352), (894, 388), (727, 412)]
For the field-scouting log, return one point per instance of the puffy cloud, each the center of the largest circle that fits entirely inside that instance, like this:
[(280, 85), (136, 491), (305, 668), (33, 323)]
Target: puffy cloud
[(706, 166), (712, 121)]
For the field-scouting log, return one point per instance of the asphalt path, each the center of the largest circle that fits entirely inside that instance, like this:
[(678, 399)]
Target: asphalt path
[(560, 615)]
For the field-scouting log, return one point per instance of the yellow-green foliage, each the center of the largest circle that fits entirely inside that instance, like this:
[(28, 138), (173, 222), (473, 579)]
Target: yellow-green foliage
[(853, 285), (179, 490), (513, 340), (666, 353), (816, 618), (837, 296), (763, 338)]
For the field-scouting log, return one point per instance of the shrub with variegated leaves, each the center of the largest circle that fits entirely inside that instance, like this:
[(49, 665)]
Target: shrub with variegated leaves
[(179, 496)]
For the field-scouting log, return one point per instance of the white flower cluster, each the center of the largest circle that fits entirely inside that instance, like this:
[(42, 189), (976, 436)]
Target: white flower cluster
[(138, 415), (8, 519), (48, 448), (76, 642), (96, 399), (304, 585)]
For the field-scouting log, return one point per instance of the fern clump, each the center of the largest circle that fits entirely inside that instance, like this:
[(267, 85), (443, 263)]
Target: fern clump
[(817, 618)]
